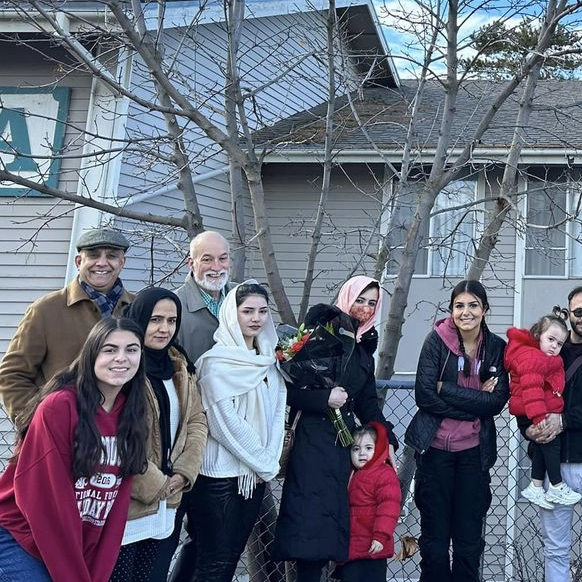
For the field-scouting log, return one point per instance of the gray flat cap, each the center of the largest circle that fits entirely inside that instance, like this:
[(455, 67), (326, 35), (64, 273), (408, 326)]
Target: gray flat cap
[(102, 238)]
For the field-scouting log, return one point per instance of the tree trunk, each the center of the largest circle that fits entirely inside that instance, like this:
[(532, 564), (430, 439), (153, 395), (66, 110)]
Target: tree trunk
[(253, 174), (509, 183), (327, 163), (235, 17), (396, 313)]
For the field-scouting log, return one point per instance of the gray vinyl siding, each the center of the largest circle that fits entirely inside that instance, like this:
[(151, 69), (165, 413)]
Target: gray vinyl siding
[(292, 194), (35, 232), (268, 45)]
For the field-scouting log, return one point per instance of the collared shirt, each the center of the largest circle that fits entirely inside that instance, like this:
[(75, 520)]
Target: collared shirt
[(211, 303)]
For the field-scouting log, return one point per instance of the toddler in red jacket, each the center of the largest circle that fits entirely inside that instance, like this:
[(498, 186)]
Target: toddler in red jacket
[(374, 496), (537, 382)]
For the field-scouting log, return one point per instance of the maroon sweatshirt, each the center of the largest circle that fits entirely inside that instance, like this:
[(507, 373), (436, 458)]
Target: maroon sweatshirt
[(74, 527), (458, 435)]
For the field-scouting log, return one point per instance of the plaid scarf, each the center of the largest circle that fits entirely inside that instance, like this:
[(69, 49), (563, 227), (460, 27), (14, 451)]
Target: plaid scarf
[(105, 302)]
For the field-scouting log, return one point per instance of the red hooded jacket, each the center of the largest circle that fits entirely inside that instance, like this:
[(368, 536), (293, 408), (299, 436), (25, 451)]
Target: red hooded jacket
[(374, 494), (536, 379)]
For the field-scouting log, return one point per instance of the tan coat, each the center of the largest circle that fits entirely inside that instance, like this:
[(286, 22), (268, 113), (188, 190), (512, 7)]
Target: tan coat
[(49, 337), (188, 448)]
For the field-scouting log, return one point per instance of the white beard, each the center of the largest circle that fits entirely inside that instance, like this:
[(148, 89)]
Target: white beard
[(209, 284)]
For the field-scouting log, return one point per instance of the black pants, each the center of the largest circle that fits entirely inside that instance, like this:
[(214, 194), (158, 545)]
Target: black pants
[(223, 523), (546, 458), (144, 561), (310, 571), (183, 570), (365, 570), (452, 494)]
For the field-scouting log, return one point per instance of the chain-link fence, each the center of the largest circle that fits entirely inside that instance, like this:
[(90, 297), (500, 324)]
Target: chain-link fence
[(513, 551)]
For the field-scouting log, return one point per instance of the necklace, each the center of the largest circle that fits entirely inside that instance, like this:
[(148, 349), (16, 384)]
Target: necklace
[(470, 351)]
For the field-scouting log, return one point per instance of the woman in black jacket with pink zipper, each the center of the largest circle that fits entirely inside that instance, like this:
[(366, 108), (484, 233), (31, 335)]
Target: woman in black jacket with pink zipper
[(460, 386)]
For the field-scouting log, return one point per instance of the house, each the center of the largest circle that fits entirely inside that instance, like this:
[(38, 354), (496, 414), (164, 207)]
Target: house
[(48, 103), (533, 267)]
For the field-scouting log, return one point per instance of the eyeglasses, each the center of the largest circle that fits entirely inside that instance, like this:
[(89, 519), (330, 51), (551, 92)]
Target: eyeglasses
[(577, 313)]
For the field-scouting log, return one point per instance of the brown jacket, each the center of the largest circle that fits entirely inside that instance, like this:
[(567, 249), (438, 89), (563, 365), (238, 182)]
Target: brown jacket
[(188, 448), (49, 337)]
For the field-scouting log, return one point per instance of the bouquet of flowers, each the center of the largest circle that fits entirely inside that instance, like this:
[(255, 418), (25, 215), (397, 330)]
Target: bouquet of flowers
[(314, 358)]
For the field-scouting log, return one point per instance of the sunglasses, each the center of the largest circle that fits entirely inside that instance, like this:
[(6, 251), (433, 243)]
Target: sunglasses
[(577, 313)]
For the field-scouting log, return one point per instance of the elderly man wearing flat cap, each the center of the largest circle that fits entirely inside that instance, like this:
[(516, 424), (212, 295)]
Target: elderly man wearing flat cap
[(55, 327)]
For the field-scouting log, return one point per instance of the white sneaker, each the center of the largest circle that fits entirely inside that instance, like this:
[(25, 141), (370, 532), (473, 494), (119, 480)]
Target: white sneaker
[(537, 496), (562, 494)]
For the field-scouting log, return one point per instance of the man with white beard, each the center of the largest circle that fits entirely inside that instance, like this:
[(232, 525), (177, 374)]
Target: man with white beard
[(201, 296), (203, 292)]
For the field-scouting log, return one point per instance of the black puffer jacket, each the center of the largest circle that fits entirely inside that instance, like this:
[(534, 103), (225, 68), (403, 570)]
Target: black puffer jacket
[(313, 521), (438, 362)]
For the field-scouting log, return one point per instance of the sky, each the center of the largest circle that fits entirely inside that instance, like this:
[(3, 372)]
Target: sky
[(398, 15)]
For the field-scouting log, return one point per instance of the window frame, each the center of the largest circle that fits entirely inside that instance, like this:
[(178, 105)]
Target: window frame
[(432, 249), (568, 242)]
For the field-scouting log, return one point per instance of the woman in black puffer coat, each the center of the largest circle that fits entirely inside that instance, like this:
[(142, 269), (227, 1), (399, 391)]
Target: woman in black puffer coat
[(461, 385), (313, 524)]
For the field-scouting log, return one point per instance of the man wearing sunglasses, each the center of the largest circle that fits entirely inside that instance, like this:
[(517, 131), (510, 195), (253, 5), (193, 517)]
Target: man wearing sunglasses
[(557, 523)]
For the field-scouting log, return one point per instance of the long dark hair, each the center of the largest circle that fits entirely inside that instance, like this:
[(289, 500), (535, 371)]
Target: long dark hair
[(474, 288), (80, 375)]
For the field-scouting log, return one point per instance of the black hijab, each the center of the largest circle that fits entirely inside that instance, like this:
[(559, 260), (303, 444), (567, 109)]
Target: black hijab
[(158, 365)]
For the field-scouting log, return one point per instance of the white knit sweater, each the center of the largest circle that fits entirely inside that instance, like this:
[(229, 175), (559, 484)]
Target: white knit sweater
[(244, 397), (230, 438)]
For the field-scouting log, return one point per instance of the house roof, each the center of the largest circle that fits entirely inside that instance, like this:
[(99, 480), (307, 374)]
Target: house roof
[(365, 33), (555, 125)]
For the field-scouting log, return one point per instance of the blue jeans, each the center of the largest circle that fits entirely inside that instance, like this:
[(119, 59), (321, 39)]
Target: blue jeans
[(17, 565), (557, 529)]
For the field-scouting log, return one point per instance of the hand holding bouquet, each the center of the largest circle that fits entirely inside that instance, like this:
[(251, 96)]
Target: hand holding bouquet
[(314, 358)]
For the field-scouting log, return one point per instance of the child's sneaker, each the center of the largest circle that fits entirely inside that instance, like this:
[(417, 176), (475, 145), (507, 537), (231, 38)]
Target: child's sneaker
[(537, 496), (562, 494)]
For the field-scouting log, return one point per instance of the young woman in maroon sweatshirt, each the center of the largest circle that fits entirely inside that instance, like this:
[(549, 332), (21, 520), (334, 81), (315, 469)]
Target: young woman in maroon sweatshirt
[(65, 494)]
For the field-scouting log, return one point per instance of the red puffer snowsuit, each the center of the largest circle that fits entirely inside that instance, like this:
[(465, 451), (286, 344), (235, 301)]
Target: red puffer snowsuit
[(536, 379), (374, 494)]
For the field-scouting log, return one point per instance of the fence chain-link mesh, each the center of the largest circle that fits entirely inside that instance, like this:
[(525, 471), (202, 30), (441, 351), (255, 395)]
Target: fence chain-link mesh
[(513, 551)]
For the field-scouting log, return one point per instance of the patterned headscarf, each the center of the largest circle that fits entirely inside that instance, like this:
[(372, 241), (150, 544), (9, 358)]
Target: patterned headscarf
[(347, 296)]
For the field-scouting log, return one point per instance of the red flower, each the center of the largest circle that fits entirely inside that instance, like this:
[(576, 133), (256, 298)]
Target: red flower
[(298, 346)]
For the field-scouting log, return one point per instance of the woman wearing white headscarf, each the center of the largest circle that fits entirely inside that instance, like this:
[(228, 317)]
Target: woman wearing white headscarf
[(244, 397)]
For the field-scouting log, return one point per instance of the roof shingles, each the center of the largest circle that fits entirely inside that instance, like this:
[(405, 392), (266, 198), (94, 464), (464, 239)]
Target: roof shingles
[(556, 119)]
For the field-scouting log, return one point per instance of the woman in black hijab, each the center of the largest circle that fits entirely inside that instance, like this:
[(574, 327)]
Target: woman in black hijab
[(177, 437)]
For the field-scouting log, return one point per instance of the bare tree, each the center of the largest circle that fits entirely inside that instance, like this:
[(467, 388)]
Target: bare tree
[(163, 90), (454, 152)]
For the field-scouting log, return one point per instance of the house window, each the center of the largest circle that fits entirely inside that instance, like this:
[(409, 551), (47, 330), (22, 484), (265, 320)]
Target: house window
[(575, 226), (546, 239), (449, 236), (402, 207), (453, 229)]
